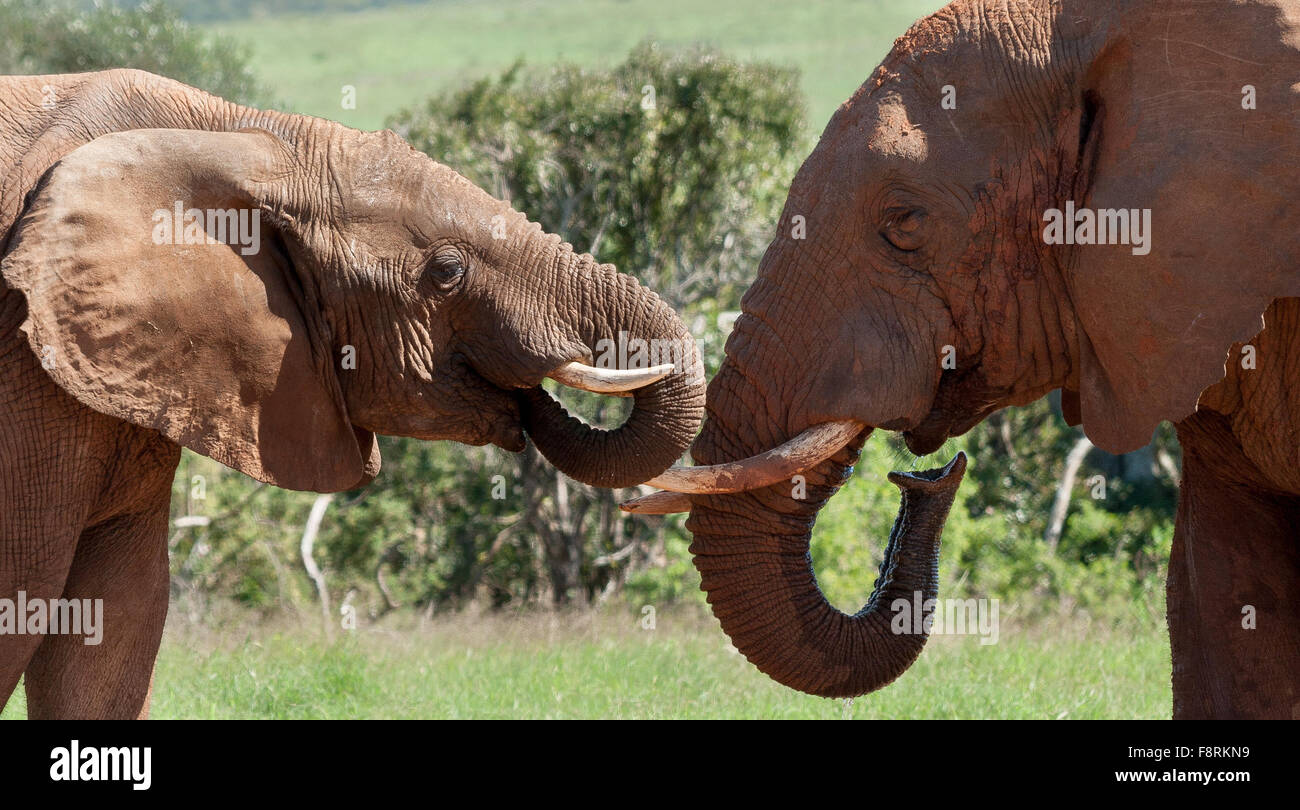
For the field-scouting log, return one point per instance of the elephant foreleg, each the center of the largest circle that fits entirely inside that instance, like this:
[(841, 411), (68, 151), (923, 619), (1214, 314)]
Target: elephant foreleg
[(20, 584), (123, 562), (1234, 586)]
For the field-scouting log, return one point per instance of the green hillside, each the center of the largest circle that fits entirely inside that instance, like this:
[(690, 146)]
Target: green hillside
[(394, 56)]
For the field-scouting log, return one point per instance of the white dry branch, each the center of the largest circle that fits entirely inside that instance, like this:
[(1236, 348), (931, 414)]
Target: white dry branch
[(1061, 504), (309, 533)]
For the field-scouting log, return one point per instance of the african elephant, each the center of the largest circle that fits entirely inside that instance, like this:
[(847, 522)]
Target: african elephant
[(271, 291), (926, 225)]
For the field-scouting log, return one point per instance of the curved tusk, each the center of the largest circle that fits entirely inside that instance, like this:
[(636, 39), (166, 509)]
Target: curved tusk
[(658, 503), (813, 446), (608, 380)]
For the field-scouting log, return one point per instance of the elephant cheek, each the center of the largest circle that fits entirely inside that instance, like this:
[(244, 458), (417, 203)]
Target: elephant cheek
[(487, 415), (508, 433)]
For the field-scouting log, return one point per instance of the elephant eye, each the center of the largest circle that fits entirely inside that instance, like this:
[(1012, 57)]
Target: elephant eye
[(445, 270), (902, 228)]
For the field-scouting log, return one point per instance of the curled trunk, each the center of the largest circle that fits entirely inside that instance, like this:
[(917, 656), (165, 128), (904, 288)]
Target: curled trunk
[(752, 552), (666, 414)]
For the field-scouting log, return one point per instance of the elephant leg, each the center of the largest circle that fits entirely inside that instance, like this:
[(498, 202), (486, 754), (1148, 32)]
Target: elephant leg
[(43, 507), (43, 580), (123, 562), (83, 510), (1234, 586)]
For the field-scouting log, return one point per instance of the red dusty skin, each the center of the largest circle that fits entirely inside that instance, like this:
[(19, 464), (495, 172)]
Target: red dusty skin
[(752, 551)]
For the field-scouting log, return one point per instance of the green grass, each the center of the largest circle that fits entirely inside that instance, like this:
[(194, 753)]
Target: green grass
[(396, 56), (605, 666)]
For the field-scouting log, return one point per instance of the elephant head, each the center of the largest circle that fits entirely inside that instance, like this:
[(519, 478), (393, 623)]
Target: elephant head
[(913, 286), (275, 302)]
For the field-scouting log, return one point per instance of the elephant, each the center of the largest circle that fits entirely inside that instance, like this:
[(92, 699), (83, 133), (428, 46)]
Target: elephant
[(919, 280), (271, 291)]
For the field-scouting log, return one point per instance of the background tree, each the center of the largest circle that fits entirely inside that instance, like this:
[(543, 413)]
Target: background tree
[(39, 36)]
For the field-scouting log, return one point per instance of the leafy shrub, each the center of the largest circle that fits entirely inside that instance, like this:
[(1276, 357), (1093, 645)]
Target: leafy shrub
[(43, 37)]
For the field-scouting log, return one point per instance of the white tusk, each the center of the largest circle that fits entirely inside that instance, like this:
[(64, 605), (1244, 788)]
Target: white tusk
[(608, 380), (658, 503), (813, 446)]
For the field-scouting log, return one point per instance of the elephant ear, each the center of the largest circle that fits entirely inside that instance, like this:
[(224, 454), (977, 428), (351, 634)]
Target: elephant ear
[(199, 329), (1156, 327)]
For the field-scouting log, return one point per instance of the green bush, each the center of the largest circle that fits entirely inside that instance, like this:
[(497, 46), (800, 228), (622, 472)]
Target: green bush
[(43, 37)]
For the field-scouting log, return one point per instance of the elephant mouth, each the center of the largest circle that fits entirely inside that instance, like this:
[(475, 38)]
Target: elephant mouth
[(940, 425), (927, 437), (507, 432)]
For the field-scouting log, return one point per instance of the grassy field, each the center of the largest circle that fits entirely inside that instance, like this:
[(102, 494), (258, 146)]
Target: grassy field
[(396, 56), (605, 666)]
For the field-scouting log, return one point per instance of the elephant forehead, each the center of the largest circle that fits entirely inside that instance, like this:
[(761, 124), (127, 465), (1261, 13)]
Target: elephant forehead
[(891, 132), (432, 198)]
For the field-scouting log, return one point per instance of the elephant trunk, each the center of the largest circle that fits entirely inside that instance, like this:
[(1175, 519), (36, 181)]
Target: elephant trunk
[(624, 325), (752, 552)]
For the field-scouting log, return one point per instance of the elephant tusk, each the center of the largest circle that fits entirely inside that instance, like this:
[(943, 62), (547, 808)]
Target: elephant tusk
[(608, 380), (658, 503), (813, 446)]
